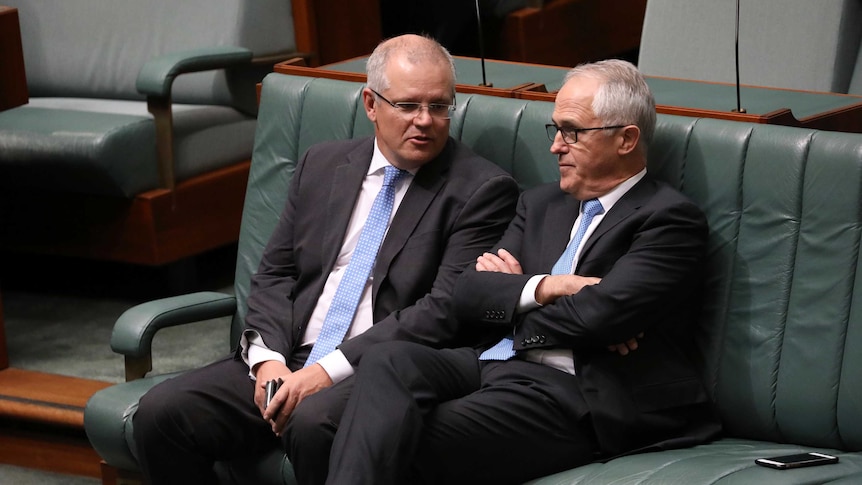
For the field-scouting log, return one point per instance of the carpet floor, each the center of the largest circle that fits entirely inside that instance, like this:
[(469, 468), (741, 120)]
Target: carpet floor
[(59, 314)]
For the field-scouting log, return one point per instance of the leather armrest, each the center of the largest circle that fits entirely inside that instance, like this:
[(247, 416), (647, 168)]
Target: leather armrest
[(157, 75), (134, 331)]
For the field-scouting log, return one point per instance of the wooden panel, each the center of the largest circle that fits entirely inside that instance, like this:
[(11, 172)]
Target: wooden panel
[(154, 228), (347, 29), (68, 452), (294, 70), (4, 350), (13, 81), (569, 32), (115, 476), (48, 398), (846, 118), (305, 29), (42, 422)]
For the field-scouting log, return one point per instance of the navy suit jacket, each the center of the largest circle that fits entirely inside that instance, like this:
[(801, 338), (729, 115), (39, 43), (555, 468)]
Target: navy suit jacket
[(649, 251), (457, 207)]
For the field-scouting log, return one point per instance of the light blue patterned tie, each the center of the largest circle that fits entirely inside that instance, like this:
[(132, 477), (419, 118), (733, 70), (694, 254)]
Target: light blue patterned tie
[(504, 349), (344, 303)]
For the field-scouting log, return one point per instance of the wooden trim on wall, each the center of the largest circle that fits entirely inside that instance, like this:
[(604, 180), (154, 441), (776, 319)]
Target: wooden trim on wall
[(305, 29), (334, 30), (4, 350), (569, 32), (66, 452), (155, 228), (13, 79)]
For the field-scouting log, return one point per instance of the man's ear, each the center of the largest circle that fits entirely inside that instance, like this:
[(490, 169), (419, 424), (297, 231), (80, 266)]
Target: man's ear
[(368, 101), (629, 138)]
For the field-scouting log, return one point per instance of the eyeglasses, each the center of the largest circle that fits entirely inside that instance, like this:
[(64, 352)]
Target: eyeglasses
[(436, 110), (570, 135)]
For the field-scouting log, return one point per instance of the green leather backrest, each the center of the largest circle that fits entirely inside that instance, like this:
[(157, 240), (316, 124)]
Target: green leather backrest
[(781, 331), (95, 48), (797, 44)]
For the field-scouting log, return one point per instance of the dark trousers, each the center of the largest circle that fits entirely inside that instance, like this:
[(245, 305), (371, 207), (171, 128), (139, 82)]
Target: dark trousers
[(184, 425), (418, 415)]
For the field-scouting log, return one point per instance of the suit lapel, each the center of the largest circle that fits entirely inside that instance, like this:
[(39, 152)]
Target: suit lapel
[(427, 183), (561, 215), (636, 197), (347, 182)]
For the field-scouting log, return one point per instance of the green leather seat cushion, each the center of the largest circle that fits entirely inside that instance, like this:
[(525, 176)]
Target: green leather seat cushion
[(726, 461), (107, 147)]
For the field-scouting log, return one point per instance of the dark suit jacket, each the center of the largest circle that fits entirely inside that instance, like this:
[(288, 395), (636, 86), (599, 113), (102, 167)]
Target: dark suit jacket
[(648, 250), (457, 206)]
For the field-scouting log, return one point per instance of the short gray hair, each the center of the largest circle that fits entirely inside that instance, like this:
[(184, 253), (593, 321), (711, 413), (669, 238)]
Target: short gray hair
[(624, 98), (415, 48)]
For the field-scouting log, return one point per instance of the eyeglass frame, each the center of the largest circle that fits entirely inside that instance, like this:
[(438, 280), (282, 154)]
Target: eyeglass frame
[(400, 107), (569, 131)]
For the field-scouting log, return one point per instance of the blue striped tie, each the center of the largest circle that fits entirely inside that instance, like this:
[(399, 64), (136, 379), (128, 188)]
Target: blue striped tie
[(504, 349), (346, 299)]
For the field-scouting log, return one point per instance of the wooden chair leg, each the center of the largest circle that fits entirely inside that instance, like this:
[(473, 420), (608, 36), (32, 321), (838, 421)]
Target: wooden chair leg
[(115, 476)]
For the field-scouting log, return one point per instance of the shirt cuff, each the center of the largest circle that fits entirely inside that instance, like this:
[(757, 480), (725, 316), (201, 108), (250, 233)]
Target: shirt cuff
[(528, 294), (254, 351), (336, 365)]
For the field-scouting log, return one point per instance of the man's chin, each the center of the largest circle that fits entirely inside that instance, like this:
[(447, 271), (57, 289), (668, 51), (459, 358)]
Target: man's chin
[(417, 158), (568, 187)]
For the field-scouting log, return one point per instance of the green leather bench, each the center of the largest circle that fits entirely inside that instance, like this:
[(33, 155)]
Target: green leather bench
[(781, 330)]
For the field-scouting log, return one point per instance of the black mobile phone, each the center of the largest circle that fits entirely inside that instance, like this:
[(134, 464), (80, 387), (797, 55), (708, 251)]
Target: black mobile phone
[(271, 389), (797, 460)]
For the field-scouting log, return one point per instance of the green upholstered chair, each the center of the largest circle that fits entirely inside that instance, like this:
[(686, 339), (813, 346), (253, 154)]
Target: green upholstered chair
[(797, 44), (781, 330), (141, 117)]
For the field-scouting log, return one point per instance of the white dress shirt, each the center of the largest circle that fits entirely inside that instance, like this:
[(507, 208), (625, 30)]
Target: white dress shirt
[(335, 363), (563, 359)]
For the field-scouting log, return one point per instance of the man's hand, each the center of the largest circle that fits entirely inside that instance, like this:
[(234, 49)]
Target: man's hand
[(627, 346), (502, 262), (296, 387), (554, 286), (263, 373)]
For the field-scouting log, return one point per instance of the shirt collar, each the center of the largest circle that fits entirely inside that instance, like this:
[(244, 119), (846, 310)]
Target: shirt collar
[(379, 162), (608, 200)]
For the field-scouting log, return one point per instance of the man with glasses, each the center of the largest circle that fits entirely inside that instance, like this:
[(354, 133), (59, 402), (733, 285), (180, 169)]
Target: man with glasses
[(373, 236), (587, 304)]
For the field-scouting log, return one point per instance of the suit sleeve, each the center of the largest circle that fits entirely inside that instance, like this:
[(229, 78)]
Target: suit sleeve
[(647, 265), (270, 300), (473, 230), (639, 289), (487, 299)]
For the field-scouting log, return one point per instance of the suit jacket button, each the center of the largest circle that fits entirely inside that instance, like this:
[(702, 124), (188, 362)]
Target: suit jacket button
[(541, 339), (524, 343)]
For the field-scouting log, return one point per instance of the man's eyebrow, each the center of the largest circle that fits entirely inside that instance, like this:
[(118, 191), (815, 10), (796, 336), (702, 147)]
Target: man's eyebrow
[(567, 125)]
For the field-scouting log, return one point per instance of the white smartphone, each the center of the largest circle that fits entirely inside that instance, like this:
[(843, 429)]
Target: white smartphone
[(797, 460)]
